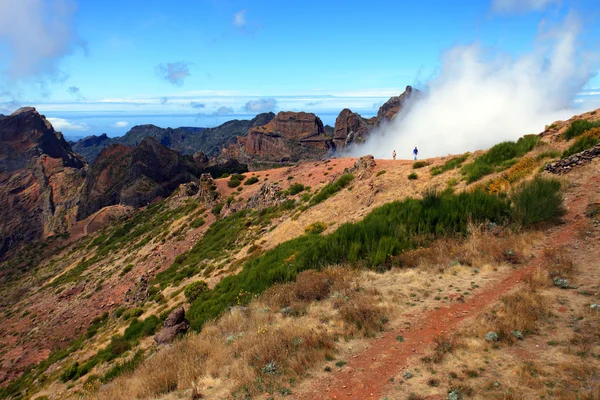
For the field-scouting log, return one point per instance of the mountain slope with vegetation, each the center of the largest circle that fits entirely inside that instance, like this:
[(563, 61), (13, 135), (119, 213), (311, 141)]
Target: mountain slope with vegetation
[(304, 267)]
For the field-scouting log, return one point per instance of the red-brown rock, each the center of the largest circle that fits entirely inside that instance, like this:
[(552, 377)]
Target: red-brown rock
[(350, 128), (39, 179)]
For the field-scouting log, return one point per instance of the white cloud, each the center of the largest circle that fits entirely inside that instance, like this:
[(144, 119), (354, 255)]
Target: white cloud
[(239, 19), (261, 105), (61, 124), (480, 98), (120, 124), (521, 6), (37, 34)]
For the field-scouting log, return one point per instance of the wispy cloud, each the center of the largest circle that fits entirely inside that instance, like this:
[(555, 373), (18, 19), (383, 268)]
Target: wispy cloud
[(521, 6), (164, 100), (239, 19), (261, 105), (75, 92), (195, 104), (175, 73), (61, 124)]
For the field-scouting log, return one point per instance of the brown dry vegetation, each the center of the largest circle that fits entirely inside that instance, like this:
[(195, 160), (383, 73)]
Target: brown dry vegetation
[(298, 328)]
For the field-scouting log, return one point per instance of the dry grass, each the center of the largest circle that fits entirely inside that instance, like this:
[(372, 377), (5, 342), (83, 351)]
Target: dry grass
[(261, 348), (288, 330)]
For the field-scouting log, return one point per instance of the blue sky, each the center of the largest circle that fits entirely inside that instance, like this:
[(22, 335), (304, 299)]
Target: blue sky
[(104, 66)]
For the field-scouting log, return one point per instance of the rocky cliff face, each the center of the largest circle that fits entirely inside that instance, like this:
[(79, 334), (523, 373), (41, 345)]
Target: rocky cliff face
[(134, 176), (290, 136), (40, 178), (186, 140), (393, 106), (351, 128)]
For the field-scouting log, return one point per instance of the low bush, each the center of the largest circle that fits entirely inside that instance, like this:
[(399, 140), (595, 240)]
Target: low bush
[(498, 158), (412, 176), (251, 181), (197, 223), (420, 164), (449, 165), (295, 188), (330, 189), (194, 290), (584, 142), (216, 210), (538, 201), (579, 127), (126, 270), (315, 228)]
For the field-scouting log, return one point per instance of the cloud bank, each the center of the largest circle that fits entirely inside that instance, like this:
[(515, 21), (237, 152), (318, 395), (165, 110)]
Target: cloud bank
[(61, 124), (175, 73), (261, 105), (482, 97)]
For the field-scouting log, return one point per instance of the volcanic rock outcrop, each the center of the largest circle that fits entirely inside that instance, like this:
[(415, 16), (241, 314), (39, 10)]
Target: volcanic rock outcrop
[(134, 176), (351, 128), (174, 325), (40, 177), (289, 137)]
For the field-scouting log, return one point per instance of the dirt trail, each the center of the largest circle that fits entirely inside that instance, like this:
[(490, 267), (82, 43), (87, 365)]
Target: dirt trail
[(367, 375)]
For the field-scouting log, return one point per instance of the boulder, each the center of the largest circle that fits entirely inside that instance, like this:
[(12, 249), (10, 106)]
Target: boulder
[(174, 325)]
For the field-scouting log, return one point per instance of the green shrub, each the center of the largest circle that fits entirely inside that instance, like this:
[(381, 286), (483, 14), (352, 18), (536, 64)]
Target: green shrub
[(251, 181), (194, 290), (118, 345), (420, 164), (126, 270), (216, 210), (139, 329), (197, 223), (498, 158), (315, 228), (412, 176), (295, 188), (385, 232), (225, 175), (450, 164), (69, 373), (584, 142), (330, 189), (122, 368), (579, 127), (381, 172), (232, 183), (538, 201)]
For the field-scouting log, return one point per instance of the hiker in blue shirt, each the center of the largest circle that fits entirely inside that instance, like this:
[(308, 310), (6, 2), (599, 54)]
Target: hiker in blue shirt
[(415, 152)]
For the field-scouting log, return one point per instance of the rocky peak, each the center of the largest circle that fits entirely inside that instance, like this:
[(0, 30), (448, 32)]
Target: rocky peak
[(26, 134), (350, 128), (134, 176), (393, 106), (40, 177)]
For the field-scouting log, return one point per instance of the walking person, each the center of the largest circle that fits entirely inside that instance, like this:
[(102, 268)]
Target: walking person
[(394, 154), (416, 152)]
